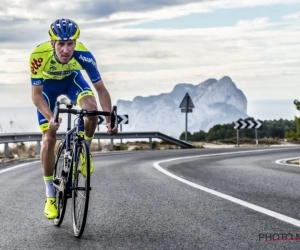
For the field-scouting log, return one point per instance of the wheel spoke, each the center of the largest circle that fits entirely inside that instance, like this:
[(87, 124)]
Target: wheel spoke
[(61, 200)]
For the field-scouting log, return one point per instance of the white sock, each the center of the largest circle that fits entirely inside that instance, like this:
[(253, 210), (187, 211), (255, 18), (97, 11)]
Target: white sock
[(50, 191)]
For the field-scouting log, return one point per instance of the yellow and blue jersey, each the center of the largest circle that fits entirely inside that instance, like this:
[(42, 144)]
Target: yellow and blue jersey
[(44, 66)]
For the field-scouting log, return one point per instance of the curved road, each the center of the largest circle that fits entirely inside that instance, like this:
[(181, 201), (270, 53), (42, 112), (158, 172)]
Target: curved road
[(236, 198)]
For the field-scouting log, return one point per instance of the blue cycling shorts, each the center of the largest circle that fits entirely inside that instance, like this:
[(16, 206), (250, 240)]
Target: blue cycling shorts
[(73, 86)]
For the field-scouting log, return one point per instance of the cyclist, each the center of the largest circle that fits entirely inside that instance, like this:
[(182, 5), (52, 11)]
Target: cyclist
[(55, 70)]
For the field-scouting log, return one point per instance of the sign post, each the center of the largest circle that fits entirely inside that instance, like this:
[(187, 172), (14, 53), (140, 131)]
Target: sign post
[(99, 147), (242, 124), (186, 107)]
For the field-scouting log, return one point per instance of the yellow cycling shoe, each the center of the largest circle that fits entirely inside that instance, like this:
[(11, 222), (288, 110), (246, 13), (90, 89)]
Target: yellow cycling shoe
[(50, 208), (83, 168)]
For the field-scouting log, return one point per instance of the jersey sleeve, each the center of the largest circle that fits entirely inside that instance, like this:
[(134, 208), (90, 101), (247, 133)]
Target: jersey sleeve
[(87, 62), (36, 65)]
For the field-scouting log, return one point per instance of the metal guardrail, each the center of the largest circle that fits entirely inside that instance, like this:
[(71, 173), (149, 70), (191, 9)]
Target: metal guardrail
[(37, 137)]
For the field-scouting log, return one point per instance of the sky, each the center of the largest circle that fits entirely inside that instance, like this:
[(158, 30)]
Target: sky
[(145, 48)]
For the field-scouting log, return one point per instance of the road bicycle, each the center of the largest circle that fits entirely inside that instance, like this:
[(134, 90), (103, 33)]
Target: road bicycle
[(73, 153)]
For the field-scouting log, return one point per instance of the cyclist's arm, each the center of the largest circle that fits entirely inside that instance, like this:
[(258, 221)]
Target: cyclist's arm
[(104, 98), (88, 62), (39, 102), (36, 65)]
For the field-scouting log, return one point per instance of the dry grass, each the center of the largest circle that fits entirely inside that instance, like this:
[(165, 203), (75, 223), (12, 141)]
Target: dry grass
[(294, 161), (144, 145), (22, 151)]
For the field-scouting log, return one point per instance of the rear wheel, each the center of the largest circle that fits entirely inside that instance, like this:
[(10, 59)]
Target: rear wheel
[(81, 191), (59, 184)]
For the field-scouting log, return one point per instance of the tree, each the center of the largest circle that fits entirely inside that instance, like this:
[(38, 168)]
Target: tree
[(297, 104), (295, 131), (188, 135), (199, 136)]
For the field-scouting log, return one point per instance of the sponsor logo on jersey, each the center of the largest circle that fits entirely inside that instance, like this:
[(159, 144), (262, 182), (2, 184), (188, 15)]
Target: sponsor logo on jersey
[(43, 120), (96, 79), (37, 83), (88, 59), (58, 73), (35, 64)]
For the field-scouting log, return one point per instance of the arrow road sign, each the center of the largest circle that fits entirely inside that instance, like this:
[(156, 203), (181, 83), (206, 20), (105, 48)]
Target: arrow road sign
[(251, 124), (236, 125), (122, 119), (247, 124), (258, 124), (101, 120), (244, 124)]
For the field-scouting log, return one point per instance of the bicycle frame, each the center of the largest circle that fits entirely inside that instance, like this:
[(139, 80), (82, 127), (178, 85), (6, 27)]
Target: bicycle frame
[(79, 128), (79, 131)]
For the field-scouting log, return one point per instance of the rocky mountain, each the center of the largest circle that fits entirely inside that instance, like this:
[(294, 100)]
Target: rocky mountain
[(216, 102)]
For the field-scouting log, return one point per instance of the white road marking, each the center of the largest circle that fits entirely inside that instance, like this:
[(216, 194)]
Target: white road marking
[(222, 195), (283, 162), (18, 166)]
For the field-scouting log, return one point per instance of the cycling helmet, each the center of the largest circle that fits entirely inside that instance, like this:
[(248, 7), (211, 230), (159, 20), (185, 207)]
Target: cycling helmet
[(64, 29)]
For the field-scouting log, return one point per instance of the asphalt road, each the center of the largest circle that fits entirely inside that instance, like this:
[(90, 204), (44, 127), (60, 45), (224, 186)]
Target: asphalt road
[(249, 201)]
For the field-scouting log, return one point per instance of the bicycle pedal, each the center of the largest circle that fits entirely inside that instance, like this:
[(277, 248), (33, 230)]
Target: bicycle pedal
[(56, 181)]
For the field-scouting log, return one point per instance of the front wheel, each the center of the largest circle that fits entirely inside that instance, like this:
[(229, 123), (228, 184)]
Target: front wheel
[(81, 189)]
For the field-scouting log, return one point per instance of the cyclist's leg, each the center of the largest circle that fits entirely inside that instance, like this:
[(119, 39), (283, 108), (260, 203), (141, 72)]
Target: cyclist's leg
[(80, 93), (48, 161), (51, 90)]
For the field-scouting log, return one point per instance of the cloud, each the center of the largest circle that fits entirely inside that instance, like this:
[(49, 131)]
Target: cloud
[(115, 12), (291, 16), (84, 10), (257, 23), (132, 62)]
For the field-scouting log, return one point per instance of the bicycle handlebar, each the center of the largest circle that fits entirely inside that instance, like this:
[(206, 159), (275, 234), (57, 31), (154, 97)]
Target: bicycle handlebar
[(84, 112)]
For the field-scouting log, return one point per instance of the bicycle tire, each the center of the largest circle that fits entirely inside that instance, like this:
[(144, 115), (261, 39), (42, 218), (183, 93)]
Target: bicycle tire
[(79, 223), (61, 197)]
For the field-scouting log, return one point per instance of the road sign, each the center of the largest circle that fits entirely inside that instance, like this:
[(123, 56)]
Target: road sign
[(101, 120), (186, 110), (242, 124), (187, 102), (122, 119)]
